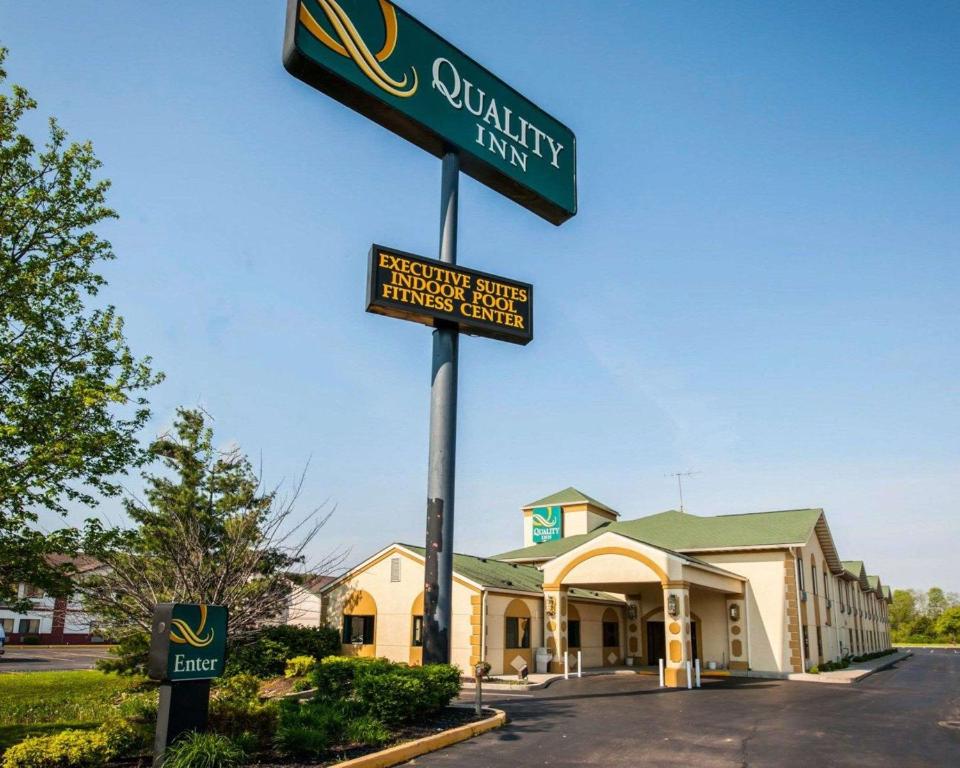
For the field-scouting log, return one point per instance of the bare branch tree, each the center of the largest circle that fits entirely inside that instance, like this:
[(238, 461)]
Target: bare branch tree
[(206, 531)]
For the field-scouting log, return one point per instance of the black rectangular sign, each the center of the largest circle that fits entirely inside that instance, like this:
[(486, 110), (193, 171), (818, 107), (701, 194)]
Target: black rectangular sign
[(431, 292)]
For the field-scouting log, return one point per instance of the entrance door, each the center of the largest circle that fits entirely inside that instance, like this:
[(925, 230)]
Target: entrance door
[(693, 640), (656, 642)]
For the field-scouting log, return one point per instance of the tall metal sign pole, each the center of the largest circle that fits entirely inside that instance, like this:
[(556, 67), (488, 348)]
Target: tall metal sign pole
[(441, 473), (377, 59)]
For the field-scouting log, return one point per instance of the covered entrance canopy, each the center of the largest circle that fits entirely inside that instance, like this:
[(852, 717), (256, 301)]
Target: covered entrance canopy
[(701, 607)]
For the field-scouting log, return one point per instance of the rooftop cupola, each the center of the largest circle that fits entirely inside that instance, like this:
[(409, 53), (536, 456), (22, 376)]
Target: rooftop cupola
[(566, 513)]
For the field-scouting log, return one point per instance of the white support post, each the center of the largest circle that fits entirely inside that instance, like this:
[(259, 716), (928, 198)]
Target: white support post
[(661, 673), (698, 673), (689, 677), (566, 665), (579, 664)]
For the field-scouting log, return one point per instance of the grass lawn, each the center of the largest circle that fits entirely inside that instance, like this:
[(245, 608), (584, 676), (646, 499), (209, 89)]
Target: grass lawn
[(34, 703)]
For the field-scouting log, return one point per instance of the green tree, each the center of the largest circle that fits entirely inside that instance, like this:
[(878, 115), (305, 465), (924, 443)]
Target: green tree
[(936, 602), (71, 391), (902, 610), (206, 532), (948, 624)]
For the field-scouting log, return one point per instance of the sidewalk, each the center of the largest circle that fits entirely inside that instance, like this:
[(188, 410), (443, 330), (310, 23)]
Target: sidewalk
[(854, 673), (537, 681)]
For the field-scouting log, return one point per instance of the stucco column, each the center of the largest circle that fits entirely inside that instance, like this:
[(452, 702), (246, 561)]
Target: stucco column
[(634, 612), (737, 633), (677, 632), (555, 626)]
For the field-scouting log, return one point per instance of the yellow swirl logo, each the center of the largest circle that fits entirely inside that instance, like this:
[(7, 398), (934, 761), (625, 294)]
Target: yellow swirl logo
[(351, 44), (182, 633), (550, 520)]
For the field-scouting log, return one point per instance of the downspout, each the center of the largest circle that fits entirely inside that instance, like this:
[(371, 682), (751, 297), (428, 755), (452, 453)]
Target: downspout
[(483, 624), (746, 610), (796, 583)]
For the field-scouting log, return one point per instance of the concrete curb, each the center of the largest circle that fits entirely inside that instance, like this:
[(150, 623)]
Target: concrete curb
[(401, 753), (851, 676)]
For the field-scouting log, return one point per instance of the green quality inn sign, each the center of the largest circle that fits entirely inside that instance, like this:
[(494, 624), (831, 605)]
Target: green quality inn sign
[(380, 61), (547, 524), (188, 642)]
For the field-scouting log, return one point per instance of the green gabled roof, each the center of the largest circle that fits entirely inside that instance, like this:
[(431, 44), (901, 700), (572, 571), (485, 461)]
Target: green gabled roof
[(873, 581), (854, 568), (887, 593), (497, 574), (857, 569), (682, 532), (569, 496)]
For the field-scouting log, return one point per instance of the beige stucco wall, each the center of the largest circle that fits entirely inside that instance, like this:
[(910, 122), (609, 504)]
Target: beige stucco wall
[(495, 652), (393, 627), (766, 620), (303, 608)]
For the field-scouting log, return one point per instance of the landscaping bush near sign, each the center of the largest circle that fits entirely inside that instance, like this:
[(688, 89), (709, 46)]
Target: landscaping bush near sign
[(73, 748), (204, 750), (299, 666), (265, 654), (394, 693)]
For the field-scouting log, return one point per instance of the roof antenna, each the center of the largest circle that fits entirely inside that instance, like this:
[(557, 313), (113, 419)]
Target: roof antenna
[(680, 476)]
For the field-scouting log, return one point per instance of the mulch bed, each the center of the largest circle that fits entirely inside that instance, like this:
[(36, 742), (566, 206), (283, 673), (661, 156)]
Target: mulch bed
[(448, 718)]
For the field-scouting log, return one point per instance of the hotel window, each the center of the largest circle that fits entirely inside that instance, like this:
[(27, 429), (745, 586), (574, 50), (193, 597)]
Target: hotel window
[(517, 630), (813, 575), (819, 644), (800, 574), (29, 626), (573, 634), (417, 640), (826, 585), (357, 630), (611, 634), (7, 625), (31, 591), (394, 569)]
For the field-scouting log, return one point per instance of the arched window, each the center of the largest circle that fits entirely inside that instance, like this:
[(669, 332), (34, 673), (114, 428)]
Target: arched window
[(516, 625), (359, 619)]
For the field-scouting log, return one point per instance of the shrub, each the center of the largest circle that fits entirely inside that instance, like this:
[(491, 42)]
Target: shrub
[(335, 676), (310, 728), (74, 748), (30, 639), (67, 749), (237, 711), (441, 685), (203, 750), (394, 697), (366, 729), (815, 669), (299, 666), (265, 653)]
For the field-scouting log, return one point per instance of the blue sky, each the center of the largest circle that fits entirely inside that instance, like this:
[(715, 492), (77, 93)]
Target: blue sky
[(761, 284)]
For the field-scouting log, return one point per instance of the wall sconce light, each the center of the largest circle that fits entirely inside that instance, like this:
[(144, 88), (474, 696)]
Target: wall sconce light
[(734, 612), (632, 611), (551, 606), (673, 605)]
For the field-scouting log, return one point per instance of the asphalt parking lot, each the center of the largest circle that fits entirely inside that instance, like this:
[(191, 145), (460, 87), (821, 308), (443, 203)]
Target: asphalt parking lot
[(892, 718), (26, 658)]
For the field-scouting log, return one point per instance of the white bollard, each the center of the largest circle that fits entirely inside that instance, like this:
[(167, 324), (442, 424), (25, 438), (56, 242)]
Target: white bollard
[(579, 665), (698, 673), (689, 677), (661, 673), (566, 665)]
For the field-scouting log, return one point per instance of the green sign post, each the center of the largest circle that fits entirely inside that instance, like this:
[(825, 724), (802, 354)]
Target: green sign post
[(382, 62), (547, 524), (188, 646)]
